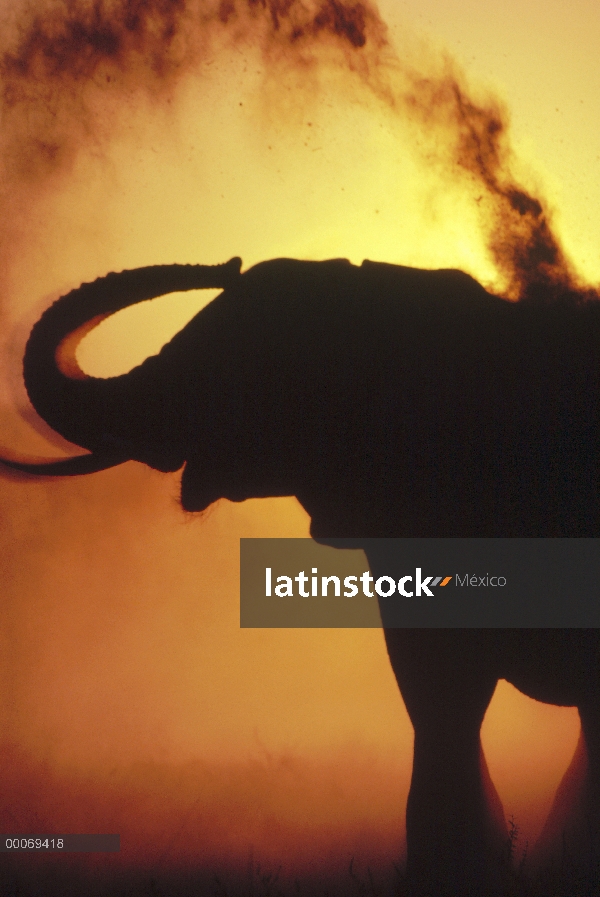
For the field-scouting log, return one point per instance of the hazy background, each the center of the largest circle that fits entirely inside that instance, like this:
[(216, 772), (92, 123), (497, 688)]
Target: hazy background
[(130, 700)]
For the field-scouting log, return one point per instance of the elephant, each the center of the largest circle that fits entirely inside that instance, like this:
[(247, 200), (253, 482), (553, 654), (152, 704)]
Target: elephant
[(392, 402)]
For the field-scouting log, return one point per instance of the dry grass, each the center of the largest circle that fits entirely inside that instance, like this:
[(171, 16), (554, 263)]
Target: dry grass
[(564, 880)]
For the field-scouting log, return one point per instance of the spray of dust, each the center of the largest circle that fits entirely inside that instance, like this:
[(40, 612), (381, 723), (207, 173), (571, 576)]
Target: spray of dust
[(517, 225), (67, 54), (69, 59)]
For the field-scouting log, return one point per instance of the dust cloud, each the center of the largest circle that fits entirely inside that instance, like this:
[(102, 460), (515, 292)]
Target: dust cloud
[(69, 62)]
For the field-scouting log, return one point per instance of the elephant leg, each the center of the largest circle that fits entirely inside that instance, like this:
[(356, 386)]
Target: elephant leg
[(570, 840), (455, 827)]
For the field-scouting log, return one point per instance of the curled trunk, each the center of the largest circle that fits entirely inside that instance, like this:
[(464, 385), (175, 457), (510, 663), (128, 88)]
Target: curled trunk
[(117, 418)]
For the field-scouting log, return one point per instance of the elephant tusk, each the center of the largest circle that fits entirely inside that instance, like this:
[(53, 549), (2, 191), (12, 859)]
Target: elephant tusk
[(67, 467)]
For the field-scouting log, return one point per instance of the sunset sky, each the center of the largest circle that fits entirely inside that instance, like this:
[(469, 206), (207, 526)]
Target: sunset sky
[(120, 649)]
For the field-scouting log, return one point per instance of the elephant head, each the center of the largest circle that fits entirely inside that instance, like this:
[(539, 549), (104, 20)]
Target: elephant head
[(237, 395), (300, 378), (365, 391)]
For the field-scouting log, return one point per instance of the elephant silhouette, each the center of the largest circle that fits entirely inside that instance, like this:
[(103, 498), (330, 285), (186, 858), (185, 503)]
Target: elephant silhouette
[(392, 402)]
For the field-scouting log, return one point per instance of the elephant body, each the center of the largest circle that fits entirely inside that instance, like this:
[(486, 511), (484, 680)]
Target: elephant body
[(392, 402)]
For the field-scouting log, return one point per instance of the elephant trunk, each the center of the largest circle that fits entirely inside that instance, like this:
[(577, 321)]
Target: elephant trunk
[(117, 418)]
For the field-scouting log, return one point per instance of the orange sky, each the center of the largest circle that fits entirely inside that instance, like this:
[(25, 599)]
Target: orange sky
[(120, 641)]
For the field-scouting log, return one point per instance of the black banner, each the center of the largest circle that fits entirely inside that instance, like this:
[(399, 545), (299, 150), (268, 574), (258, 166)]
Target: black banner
[(421, 583)]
